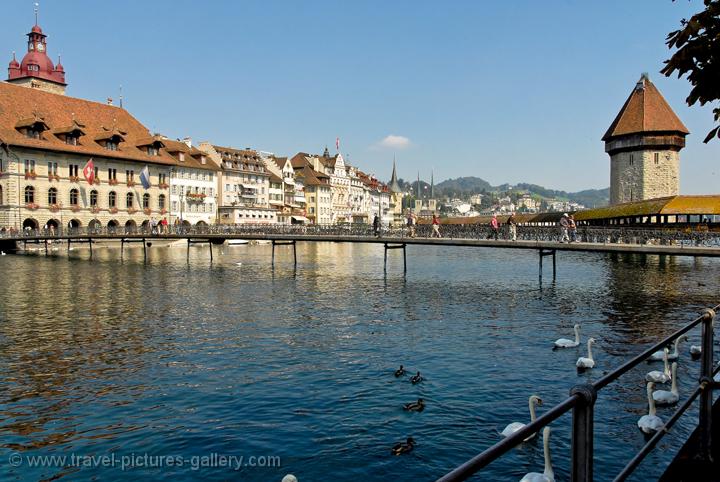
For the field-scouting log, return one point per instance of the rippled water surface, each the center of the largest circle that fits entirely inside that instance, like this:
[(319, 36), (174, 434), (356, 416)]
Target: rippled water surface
[(189, 359)]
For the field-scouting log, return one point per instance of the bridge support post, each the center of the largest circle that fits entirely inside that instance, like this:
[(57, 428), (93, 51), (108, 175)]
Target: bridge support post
[(122, 247), (706, 380), (292, 243), (90, 241), (211, 253), (547, 252), (68, 248), (581, 466), (396, 246), (46, 247), (144, 251)]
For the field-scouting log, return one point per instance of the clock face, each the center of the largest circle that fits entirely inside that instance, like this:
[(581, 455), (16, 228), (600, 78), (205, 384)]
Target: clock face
[(40, 47)]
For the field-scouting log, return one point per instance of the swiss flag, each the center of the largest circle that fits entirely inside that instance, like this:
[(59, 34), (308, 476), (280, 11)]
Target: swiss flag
[(89, 171)]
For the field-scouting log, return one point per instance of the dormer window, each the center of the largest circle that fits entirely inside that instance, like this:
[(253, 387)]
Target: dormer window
[(111, 145), (153, 151), (33, 133), (72, 139), (203, 160), (181, 156)]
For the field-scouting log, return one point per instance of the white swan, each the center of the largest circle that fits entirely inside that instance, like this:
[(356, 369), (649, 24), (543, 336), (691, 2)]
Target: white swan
[(588, 362), (664, 397), (548, 475), (695, 351), (658, 355), (515, 426), (650, 423), (657, 376), (566, 343), (2, 253)]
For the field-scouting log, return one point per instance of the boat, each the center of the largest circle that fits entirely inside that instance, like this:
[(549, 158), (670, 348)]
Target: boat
[(237, 242)]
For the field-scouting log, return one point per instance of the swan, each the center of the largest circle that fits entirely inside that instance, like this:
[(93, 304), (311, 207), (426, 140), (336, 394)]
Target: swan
[(695, 351), (588, 362), (664, 397), (548, 475), (2, 253), (658, 376), (650, 423), (658, 355), (515, 426), (565, 343)]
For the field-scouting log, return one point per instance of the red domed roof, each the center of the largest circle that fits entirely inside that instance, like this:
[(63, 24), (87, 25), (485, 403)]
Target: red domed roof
[(36, 63), (14, 63), (36, 29)]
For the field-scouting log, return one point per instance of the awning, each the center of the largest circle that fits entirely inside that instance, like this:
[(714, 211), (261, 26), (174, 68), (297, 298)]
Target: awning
[(299, 218)]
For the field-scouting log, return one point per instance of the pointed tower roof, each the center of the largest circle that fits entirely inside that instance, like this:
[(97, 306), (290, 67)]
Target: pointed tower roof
[(418, 186), (645, 110), (394, 186), (432, 185)]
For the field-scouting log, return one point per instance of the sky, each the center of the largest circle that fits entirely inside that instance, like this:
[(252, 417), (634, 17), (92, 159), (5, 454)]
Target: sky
[(513, 91)]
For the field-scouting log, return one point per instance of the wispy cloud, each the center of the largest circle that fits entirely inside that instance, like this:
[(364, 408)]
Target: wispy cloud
[(394, 142)]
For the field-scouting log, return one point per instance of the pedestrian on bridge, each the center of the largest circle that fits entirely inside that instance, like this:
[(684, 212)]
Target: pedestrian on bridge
[(411, 224), (435, 227), (564, 224), (572, 229), (494, 228), (512, 224), (376, 225)]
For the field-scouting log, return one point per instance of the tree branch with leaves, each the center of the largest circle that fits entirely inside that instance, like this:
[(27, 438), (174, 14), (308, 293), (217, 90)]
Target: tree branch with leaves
[(698, 57)]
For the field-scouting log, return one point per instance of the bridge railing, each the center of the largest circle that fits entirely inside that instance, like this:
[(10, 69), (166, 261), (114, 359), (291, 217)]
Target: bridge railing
[(593, 234), (582, 402)]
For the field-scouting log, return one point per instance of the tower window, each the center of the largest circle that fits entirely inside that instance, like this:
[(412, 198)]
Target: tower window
[(657, 158)]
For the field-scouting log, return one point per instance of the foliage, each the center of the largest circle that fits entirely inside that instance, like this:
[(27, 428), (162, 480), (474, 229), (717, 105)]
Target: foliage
[(698, 56)]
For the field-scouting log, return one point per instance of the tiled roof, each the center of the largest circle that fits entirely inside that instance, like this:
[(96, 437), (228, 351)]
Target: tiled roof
[(708, 204), (192, 155), (645, 110), (19, 103)]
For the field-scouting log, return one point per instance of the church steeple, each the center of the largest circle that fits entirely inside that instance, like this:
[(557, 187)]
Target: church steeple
[(394, 186), (432, 185)]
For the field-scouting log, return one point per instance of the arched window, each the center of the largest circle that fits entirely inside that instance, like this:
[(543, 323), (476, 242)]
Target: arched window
[(129, 200), (93, 198), (146, 201), (74, 197), (52, 195), (29, 195), (112, 199), (161, 201)]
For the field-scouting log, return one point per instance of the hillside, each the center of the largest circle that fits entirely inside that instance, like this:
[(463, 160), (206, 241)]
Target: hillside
[(464, 187)]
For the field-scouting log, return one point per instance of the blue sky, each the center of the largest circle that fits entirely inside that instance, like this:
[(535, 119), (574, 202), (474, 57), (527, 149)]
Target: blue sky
[(516, 91)]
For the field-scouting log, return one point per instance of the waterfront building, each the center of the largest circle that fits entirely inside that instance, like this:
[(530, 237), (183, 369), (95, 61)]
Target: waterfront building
[(47, 139), (644, 143), (193, 184), (396, 200), (318, 195), (358, 199), (243, 186)]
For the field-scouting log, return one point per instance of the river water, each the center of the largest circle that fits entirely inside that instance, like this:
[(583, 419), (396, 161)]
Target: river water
[(186, 359)]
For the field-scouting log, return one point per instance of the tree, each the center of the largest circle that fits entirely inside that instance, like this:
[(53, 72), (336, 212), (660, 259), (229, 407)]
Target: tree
[(698, 56)]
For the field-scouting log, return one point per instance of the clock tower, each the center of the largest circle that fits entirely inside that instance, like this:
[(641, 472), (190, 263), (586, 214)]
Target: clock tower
[(36, 69)]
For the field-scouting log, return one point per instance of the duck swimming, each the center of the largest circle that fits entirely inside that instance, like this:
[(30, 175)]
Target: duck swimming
[(417, 378), (418, 406), (400, 371), (403, 447)]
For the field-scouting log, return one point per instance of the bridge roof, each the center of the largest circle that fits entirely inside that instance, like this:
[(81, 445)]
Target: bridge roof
[(701, 204)]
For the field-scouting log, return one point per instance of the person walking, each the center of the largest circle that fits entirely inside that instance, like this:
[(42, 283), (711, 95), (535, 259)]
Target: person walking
[(564, 229), (435, 226), (494, 228), (376, 225), (572, 229), (411, 224), (512, 224)]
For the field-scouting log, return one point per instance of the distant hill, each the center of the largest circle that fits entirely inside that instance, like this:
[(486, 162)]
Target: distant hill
[(463, 187)]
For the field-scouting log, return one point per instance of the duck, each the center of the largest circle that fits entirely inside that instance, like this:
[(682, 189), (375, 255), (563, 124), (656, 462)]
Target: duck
[(695, 351), (400, 371), (418, 406), (664, 397), (566, 343), (515, 426), (548, 475), (658, 376), (588, 362), (417, 378), (403, 447), (650, 423), (658, 355)]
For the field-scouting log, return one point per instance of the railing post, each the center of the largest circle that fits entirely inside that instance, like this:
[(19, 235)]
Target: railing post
[(581, 469), (706, 379)]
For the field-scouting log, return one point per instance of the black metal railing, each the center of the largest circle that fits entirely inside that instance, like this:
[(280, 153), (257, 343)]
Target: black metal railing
[(582, 403), (588, 234)]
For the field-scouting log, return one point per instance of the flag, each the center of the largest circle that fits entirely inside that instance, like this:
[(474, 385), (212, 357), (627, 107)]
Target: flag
[(337, 143), (145, 177), (89, 171)]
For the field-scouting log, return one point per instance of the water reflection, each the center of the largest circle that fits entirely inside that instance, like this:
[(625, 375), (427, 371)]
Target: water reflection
[(190, 357)]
